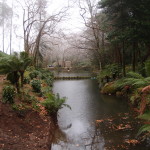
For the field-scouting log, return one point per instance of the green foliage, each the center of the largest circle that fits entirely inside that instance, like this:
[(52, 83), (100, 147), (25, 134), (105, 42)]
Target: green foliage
[(145, 116), (147, 68), (27, 98), (135, 96), (53, 103), (15, 66), (26, 80), (8, 94), (36, 85), (20, 109), (47, 76), (49, 81), (134, 75), (46, 90), (144, 128), (134, 80), (34, 74), (35, 105), (108, 89), (13, 77), (111, 70)]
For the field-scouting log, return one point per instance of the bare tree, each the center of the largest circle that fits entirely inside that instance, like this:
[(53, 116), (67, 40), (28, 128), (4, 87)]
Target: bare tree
[(93, 38)]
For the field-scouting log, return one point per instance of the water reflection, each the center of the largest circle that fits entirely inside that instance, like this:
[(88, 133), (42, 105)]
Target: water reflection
[(90, 140), (88, 105)]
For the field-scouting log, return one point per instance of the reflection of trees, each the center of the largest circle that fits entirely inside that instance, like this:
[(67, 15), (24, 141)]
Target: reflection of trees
[(91, 140), (59, 137), (94, 142)]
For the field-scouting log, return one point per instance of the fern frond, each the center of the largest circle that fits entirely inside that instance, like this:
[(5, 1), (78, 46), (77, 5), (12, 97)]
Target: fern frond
[(134, 75), (144, 128), (145, 116)]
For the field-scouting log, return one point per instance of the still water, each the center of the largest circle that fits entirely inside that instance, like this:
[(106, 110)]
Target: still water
[(89, 123)]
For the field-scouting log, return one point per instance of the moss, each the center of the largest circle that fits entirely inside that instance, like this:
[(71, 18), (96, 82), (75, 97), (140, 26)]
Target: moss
[(108, 88)]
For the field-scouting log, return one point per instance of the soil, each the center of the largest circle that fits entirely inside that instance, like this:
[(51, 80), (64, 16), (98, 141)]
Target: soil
[(21, 132)]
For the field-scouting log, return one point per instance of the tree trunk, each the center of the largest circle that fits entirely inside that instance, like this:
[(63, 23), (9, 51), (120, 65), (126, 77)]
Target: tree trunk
[(17, 81), (133, 57), (123, 59), (22, 78)]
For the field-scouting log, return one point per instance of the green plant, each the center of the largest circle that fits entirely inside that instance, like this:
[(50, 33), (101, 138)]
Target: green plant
[(27, 98), (34, 74), (111, 71), (145, 128), (53, 103), (36, 85), (134, 75), (14, 67), (8, 94), (46, 90), (26, 80), (20, 109), (35, 105), (49, 81), (133, 80), (147, 67)]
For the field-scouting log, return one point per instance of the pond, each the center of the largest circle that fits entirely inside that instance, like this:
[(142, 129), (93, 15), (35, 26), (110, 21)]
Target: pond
[(95, 121)]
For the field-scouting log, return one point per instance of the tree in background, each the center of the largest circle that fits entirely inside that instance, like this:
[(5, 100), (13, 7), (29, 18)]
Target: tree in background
[(128, 21), (5, 17)]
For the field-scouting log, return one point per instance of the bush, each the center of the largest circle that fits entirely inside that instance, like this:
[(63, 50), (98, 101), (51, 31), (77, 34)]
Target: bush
[(111, 71), (8, 94), (53, 103), (134, 75), (26, 80), (147, 68), (20, 109), (12, 78), (46, 90), (34, 74), (27, 98), (49, 82), (36, 85)]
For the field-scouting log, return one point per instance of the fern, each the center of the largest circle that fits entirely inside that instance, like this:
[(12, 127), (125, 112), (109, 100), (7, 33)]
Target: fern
[(134, 75), (53, 103), (134, 83), (144, 128), (145, 116), (147, 67)]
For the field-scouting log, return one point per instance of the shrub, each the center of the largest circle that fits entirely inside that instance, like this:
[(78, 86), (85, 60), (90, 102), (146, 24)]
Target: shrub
[(27, 98), (49, 82), (36, 85), (8, 94), (147, 68), (34, 74), (53, 103), (112, 71), (145, 128), (26, 80), (46, 90), (13, 78), (20, 109), (134, 75)]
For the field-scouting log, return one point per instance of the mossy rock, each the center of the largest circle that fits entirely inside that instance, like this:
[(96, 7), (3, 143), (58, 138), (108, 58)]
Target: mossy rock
[(108, 88), (118, 93)]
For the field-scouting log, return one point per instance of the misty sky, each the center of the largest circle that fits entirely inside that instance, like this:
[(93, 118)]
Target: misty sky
[(72, 23)]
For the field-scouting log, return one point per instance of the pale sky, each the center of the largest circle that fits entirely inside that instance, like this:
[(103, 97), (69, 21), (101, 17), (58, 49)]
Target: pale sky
[(73, 22)]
